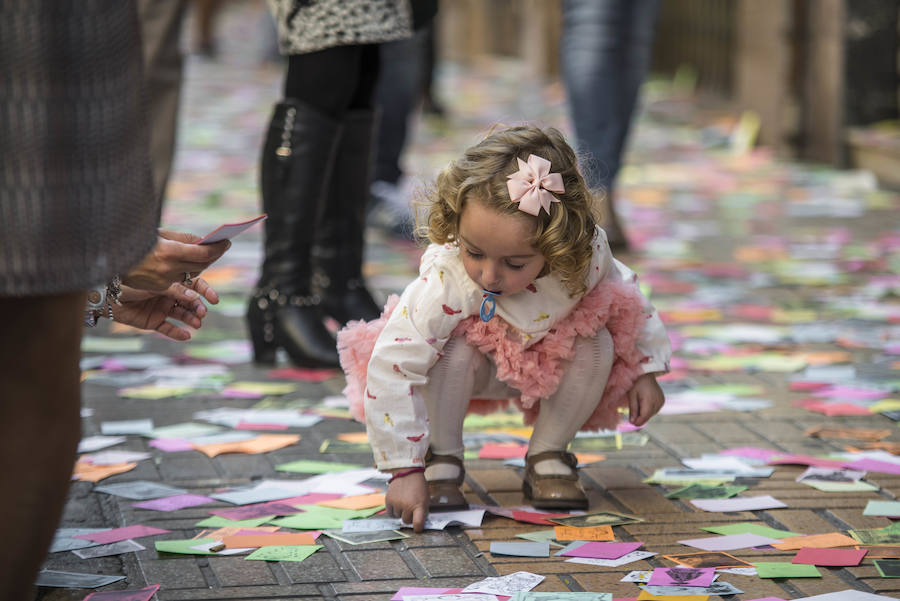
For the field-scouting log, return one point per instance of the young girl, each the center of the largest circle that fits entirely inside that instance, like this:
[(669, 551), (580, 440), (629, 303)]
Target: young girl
[(518, 297)]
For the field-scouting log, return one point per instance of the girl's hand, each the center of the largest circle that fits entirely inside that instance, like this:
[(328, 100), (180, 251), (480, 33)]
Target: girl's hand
[(151, 310), (645, 399), (407, 499)]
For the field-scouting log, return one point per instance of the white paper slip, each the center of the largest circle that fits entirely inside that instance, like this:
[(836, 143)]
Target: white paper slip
[(738, 503), (116, 548), (434, 521), (729, 542), (451, 597), (848, 595), (229, 230), (95, 443), (637, 576), (716, 588), (613, 563), (533, 549), (113, 457), (506, 585), (371, 524), (246, 497)]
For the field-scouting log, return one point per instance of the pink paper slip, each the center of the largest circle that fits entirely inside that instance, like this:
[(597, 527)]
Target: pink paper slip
[(118, 534), (873, 465), (603, 550), (174, 503), (805, 460), (229, 230), (682, 576), (493, 450), (170, 445), (829, 557), (729, 542)]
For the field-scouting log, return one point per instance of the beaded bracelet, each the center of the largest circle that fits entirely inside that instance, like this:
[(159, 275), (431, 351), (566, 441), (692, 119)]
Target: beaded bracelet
[(412, 470), (100, 300)]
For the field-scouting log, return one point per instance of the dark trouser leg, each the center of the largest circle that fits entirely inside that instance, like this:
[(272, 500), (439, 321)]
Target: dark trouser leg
[(340, 234), (40, 346)]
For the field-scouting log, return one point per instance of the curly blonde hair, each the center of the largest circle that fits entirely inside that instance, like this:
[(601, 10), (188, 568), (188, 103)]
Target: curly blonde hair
[(564, 237)]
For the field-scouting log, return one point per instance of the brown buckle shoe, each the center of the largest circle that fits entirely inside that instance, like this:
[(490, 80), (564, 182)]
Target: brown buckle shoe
[(553, 491), (445, 494)]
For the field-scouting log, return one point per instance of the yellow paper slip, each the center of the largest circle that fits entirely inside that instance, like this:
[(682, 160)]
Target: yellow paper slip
[(261, 444), (358, 437), (268, 540), (356, 502), (600, 533), (816, 541)]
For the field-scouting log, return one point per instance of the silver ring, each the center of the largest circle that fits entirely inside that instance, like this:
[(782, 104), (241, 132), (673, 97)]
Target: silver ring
[(187, 281)]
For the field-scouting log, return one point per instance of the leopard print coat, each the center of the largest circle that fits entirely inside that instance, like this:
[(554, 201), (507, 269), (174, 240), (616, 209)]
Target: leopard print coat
[(311, 25)]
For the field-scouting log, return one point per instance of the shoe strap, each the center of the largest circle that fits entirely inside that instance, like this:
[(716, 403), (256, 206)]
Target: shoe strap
[(564, 456)]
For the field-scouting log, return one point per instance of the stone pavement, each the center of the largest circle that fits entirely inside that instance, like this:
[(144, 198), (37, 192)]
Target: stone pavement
[(799, 256)]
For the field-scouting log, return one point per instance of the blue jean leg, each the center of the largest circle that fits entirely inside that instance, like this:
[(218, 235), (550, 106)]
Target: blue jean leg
[(605, 52)]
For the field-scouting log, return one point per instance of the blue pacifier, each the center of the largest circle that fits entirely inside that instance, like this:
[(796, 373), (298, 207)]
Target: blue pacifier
[(488, 304)]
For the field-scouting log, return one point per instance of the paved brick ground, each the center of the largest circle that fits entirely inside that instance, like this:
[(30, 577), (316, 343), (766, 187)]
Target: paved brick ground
[(454, 557)]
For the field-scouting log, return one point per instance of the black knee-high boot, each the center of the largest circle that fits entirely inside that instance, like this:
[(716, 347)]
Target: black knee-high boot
[(284, 311), (340, 229)]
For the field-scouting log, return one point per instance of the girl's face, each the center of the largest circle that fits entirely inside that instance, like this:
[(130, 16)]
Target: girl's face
[(496, 251)]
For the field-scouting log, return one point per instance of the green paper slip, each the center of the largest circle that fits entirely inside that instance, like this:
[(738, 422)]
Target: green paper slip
[(786, 569), (888, 568), (102, 344), (340, 446), (475, 421), (541, 536), (364, 538), (660, 477), (217, 521), (184, 431), (701, 491), (609, 443), (749, 528), (183, 546), (882, 508), (310, 466), (316, 517), (153, 392), (284, 552), (263, 388), (736, 389), (876, 536)]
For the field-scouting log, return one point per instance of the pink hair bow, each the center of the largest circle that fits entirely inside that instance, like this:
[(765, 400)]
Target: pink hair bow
[(531, 185)]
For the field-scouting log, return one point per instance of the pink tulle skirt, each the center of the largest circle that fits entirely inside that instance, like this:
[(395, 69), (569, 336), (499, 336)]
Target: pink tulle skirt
[(535, 371)]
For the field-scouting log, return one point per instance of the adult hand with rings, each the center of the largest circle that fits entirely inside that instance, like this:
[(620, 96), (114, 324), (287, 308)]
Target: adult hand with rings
[(151, 310), (174, 258)]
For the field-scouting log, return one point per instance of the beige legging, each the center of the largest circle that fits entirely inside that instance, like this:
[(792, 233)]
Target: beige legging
[(463, 373)]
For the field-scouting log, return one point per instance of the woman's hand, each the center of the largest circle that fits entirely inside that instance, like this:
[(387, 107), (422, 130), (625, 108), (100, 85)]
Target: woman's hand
[(645, 399), (148, 310), (174, 255), (407, 499)]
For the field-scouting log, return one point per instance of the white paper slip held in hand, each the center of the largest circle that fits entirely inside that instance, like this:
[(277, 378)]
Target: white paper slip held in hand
[(229, 230)]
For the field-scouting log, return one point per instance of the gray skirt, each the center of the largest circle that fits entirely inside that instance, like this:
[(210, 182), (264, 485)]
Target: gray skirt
[(76, 195)]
